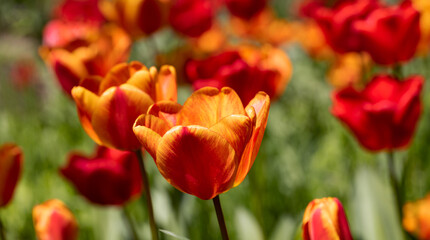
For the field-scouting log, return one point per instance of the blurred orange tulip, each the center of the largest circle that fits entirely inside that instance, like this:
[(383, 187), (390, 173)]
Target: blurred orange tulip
[(423, 6), (11, 160), (416, 218), (54, 221), (108, 107), (325, 219), (137, 17), (207, 146), (349, 69), (91, 52), (312, 40)]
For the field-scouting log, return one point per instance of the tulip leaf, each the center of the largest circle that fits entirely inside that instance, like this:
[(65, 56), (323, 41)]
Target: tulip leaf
[(247, 226), (174, 236), (284, 229)]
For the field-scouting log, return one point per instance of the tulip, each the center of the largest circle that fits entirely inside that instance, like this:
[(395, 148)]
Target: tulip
[(338, 23), (108, 106), (54, 221), (80, 11), (384, 115), (248, 71), (390, 34), (325, 219), (423, 6), (74, 56), (138, 17), (348, 69), (191, 17), (110, 177), (245, 9), (207, 146), (311, 39), (11, 160), (416, 218)]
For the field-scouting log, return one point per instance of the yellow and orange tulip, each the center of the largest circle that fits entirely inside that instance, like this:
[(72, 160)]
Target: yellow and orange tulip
[(416, 218), (325, 219), (208, 145), (53, 221), (108, 106), (11, 160)]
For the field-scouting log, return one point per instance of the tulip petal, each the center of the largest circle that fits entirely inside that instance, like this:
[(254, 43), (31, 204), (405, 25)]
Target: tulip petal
[(91, 83), (166, 84), (206, 106), (166, 110), (260, 104), (197, 161), (117, 111), (142, 80), (321, 226), (11, 160), (120, 74), (236, 129), (149, 129)]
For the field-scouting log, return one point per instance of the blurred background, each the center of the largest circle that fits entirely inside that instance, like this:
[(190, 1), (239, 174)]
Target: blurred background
[(306, 152)]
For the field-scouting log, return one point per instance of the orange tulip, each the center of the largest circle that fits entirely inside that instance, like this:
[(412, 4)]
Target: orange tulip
[(90, 52), (137, 17), (11, 160), (54, 221), (207, 146), (349, 69), (325, 219), (108, 107), (416, 218)]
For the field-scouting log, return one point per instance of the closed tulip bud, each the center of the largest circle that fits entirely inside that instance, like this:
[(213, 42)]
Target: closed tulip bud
[(207, 146), (54, 221), (11, 160), (191, 17), (110, 177), (416, 218), (390, 34), (384, 115), (108, 106), (247, 70), (325, 219)]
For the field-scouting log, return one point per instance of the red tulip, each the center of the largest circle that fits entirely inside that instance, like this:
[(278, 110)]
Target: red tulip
[(384, 115), (245, 9), (207, 146), (338, 23), (80, 11), (391, 34), (11, 160), (191, 17), (248, 71), (108, 106), (110, 177), (325, 219), (54, 221)]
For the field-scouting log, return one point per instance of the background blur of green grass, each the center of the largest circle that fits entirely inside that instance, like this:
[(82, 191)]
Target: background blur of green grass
[(306, 154)]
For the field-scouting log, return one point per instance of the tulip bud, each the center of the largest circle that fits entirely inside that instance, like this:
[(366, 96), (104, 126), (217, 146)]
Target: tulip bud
[(11, 160), (54, 221), (325, 219)]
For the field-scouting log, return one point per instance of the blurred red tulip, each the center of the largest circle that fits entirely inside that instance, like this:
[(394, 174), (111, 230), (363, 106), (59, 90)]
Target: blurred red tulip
[(53, 221), (108, 106), (110, 177), (325, 219), (391, 34), (245, 9), (384, 115), (138, 17), (416, 218), (338, 23), (248, 71), (11, 160), (207, 146), (80, 11), (82, 51), (191, 17), (23, 73)]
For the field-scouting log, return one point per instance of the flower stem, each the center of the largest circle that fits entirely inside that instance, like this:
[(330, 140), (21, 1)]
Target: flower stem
[(130, 223), (220, 218), (2, 231), (397, 71), (152, 224)]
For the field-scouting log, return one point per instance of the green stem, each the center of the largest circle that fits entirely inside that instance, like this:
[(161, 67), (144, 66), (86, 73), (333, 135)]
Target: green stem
[(220, 217), (2, 231), (150, 209), (397, 71), (130, 223)]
